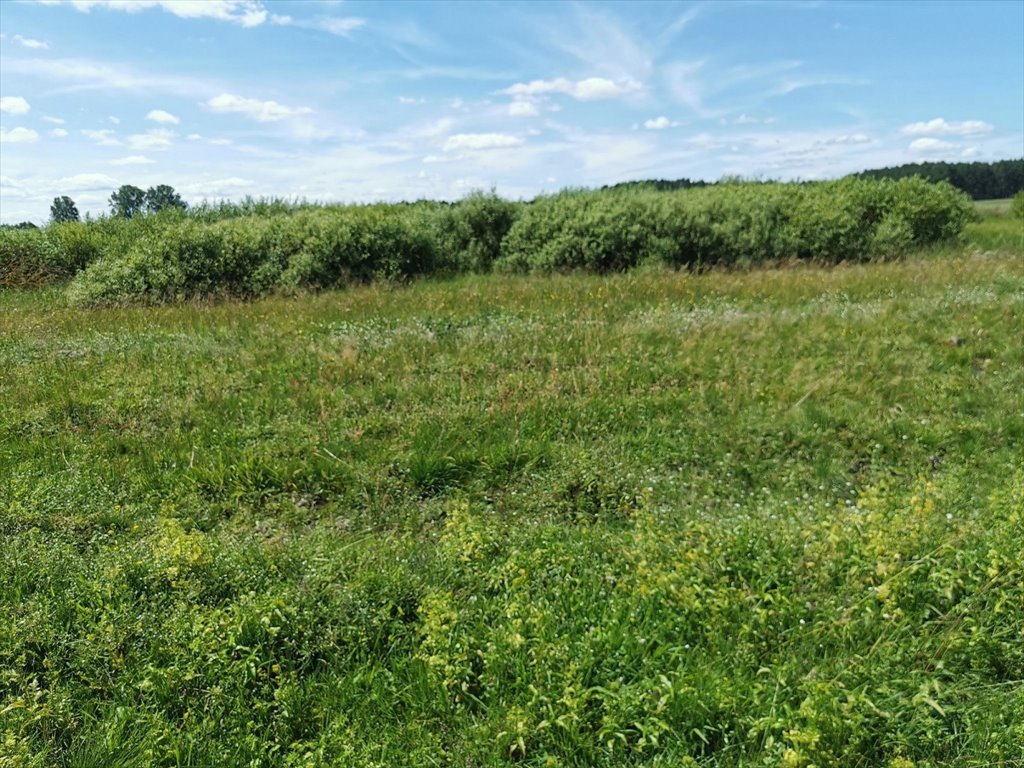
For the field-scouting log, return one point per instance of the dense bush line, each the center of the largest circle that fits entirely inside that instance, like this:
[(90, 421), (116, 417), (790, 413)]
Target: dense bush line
[(259, 247), (726, 224)]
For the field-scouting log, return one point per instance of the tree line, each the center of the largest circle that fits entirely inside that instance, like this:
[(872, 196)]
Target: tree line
[(126, 202), (982, 181)]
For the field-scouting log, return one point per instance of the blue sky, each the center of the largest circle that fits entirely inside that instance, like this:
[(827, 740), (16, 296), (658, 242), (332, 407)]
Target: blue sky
[(357, 101)]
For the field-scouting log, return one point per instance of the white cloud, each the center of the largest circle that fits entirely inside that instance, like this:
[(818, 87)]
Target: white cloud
[(248, 13), (132, 160), (87, 181), (104, 137), (971, 152), (522, 109), (432, 130), (160, 116), (939, 127), (54, 120), (215, 187), (114, 120), (602, 88), (14, 105), (929, 146), (261, 111), (589, 89), (60, 133), (410, 100), (18, 136), (28, 42), (481, 141), (659, 123), (158, 139)]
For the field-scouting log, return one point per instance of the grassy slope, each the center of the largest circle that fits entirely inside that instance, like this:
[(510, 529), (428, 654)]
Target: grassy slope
[(761, 518)]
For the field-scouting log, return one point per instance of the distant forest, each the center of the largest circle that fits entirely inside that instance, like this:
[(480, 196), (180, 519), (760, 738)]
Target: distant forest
[(982, 181)]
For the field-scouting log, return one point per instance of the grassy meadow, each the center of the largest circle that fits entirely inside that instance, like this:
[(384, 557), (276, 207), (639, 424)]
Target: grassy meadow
[(758, 517)]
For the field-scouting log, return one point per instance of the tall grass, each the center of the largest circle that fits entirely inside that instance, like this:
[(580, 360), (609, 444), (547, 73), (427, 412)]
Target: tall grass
[(740, 518)]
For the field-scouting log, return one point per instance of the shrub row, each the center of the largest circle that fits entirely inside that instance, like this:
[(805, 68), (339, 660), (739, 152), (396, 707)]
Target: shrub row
[(270, 247), (726, 224)]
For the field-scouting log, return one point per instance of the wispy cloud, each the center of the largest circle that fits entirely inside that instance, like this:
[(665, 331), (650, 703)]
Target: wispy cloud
[(54, 120), (104, 137), (156, 139), (746, 119), (133, 160), (790, 85), (939, 127), (481, 141), (247, 13), (684, 83), (59, 133), (81, 182), (338, 26), (261, 111), (71, 75), (523, 109), (225, 187), (603, 43)]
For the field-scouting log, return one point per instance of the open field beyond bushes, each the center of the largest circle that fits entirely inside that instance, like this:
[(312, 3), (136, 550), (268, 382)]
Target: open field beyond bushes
[(769, 517)]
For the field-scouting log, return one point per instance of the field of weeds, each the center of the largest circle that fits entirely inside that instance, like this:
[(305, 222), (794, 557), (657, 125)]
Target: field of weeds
[(770, 517)]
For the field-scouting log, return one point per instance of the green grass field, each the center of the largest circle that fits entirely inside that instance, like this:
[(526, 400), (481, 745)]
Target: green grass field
[(763, 518), (994, 207)]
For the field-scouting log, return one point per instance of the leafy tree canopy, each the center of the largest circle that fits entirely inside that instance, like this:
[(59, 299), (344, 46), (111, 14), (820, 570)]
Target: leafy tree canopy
[(127, 201), (163, 196), (63, 209)]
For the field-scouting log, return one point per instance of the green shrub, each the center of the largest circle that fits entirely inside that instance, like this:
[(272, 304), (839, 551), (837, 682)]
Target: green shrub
[(470, 232), (261, 246), (26, 259), (1017, 207)]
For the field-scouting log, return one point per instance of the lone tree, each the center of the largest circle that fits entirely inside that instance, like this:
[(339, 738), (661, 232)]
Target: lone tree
[(127, 201), (63, 209), (163, 196)]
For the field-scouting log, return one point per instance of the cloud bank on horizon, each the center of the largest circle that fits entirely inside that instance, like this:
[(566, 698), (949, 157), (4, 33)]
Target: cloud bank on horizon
[(357, 101)]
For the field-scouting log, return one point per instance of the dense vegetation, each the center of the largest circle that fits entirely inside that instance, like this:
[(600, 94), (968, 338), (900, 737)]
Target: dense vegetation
[(982, 181), (768, 517), (259, 248)]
